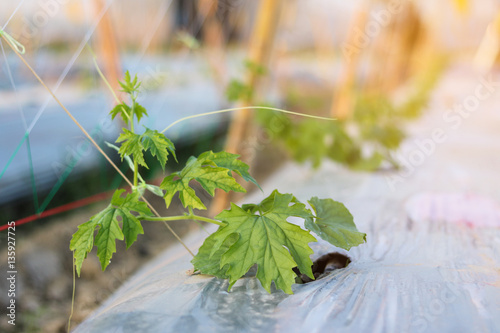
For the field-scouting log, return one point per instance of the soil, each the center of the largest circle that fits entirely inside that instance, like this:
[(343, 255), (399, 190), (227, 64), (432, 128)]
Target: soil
[(323, 266)]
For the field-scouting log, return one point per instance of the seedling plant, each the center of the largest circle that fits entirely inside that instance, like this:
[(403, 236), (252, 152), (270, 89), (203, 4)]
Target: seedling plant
[(366, 140), (247, 235)]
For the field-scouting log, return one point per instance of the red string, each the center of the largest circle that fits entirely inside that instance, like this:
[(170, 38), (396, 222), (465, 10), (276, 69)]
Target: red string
[(61, 209)]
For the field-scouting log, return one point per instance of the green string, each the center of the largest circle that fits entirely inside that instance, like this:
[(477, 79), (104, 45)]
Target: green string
[(12, 41), (14, 154), (32, 174), (64, 176), (58, 185), (33, 183)]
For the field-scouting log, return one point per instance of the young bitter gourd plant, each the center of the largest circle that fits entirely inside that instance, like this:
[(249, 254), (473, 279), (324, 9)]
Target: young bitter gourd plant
[(247, 235)]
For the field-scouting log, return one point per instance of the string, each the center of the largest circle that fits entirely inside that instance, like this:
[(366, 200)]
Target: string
[(94, 143), (148, 38), (14, 13), (72, 61), (14, 45), (23, 118), (79, 50), (14, 154)]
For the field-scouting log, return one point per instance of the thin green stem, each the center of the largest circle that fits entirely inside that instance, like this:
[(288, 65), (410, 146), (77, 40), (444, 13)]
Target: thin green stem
[(102, 76), (129, 117), (181, 217), (136, 165), (107, 82), (136, 173), (197, 222), (132, 115), (72, 294)]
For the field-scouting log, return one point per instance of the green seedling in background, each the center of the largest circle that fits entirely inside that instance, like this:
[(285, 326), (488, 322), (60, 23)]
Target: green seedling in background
[(247, 235), (363, 141)]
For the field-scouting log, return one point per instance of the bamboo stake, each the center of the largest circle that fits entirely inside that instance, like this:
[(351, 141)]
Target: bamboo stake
[(394, 51), (382, 57), (321, 36), (260, 51), (213, 38), (489, 49), (343, 100), (425, 52), (107, 47), (212, 32), (406, 30)]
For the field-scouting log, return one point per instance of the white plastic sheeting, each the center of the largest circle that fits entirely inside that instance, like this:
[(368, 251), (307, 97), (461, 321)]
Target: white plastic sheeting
[(431, 263)]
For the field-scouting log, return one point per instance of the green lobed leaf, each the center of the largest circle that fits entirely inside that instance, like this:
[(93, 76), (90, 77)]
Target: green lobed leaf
[(171, 187), (158, 145), (265, 239), (132, 202), (128, 85), (131, 225), (126, 158), (123, 110), (268, 203), (186, 194), (83, 242), (108, 224), (139, 111), (231, 162), (135, 145), (210, 264), (132, 146), (207, 173), (211, 178), (334, 223), (109, 231)]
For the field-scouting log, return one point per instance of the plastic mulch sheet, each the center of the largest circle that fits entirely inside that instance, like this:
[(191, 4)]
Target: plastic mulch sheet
[(431, 262)]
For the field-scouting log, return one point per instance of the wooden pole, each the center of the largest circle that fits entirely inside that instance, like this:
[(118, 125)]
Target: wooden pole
[(489, 48), (393, 51), (213, 39), (212, 30), (260, 51), (261, 46), (107, 47), (406, 30), (343, 101)]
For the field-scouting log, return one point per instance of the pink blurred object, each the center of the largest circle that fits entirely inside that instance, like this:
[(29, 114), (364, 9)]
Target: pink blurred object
[(470, 209)]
